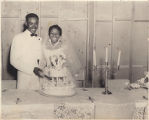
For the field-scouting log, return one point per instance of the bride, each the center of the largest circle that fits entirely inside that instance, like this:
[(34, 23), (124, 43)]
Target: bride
[(59, 74)]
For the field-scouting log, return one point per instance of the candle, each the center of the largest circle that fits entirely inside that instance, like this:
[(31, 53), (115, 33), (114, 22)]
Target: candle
[(148, 55), (106, 59), (119, 56), (94, 58)]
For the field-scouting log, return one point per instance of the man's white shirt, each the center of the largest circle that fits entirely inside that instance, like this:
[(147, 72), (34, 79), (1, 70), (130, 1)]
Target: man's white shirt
[(26, 50)]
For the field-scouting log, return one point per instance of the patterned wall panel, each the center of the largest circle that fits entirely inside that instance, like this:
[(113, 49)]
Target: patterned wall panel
[(73, 9), (122, 10), (7, 10), (140, 44), (103, 37), (121, 40), (28, 7), (8, 72), (103, 10), (49, 9), (122, 37), (139, 51), (141, 10)]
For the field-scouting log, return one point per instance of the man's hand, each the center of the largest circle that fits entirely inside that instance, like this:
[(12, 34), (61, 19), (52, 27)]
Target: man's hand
[(38, 72)]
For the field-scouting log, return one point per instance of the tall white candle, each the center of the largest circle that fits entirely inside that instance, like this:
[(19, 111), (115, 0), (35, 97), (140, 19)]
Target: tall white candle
[(119, 57), (148, 55), (106, 58), (94, 57)]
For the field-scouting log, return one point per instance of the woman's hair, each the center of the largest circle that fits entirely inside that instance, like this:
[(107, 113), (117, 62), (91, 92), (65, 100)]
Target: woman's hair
[(55, 27)]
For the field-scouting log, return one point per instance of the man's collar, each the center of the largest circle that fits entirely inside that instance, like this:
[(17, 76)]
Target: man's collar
[(28, 32)]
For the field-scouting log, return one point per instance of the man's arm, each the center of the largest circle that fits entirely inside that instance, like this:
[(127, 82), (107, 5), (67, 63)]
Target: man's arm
[(18, 57), (42, 62)]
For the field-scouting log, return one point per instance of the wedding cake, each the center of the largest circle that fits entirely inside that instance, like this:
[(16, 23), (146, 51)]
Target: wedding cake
[(59, 81)]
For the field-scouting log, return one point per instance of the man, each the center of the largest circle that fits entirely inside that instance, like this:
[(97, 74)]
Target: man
[(26, 54)]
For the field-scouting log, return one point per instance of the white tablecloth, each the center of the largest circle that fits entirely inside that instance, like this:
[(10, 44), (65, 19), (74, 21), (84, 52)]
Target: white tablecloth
[(30, 104)]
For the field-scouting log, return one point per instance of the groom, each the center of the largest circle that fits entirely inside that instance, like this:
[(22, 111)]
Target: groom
[(26, 54)]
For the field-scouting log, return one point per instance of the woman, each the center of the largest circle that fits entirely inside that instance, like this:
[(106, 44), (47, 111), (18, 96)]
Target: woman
[(59, 56)]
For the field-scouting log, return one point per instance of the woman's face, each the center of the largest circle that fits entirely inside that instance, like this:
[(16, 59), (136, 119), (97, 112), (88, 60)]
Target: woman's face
[(54, 35)]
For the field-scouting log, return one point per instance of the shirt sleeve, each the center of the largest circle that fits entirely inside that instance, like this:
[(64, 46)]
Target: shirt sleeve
[(18, 57)]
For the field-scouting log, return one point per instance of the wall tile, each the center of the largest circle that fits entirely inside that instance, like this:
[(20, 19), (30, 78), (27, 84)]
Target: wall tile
[(140, 44), (141, 10), (49, 9), (121, 39), (29, 7), (103, 37), (103, 10), (7, 36), (73, 9), (10, 9), (122, 10)]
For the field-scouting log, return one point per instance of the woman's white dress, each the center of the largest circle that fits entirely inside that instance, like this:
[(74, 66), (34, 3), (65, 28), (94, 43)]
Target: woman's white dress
[(58, 80)]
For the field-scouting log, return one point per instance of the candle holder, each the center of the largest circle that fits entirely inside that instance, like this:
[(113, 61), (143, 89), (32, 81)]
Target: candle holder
[(107, 70)]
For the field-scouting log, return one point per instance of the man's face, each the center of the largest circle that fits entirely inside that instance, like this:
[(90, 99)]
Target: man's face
[(54, 35), (32, 24)]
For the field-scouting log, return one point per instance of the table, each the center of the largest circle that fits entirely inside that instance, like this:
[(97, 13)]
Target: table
[(119, 105)]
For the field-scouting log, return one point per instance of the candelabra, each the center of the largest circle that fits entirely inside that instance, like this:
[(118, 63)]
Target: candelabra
[(107, 70)]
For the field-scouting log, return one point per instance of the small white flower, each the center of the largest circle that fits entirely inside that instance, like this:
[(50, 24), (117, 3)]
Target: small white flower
[(140, 81), (134, 85)]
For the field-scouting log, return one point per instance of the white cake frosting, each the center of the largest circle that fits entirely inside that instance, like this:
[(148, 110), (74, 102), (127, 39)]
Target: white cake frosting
[(58, 73), (60, 84)]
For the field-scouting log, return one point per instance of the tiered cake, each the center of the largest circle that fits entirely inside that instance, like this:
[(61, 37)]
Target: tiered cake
[(60, 81)]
